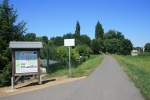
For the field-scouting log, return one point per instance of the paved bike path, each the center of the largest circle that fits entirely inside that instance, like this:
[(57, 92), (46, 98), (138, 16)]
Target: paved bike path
[(107, 82)]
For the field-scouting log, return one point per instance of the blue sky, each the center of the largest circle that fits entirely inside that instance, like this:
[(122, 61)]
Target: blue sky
[(57, 17)]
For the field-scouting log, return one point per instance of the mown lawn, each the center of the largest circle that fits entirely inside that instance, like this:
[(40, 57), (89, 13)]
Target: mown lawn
[(138, 69), (82, 70)]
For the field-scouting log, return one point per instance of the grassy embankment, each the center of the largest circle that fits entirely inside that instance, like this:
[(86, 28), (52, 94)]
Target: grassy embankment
[(138, 69), (82, 70)]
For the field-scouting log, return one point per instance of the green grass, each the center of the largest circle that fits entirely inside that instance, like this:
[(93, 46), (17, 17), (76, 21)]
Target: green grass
[(82, 70), (138, 69)]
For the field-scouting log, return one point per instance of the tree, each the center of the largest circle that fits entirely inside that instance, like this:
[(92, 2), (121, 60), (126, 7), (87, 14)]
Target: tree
[(45, 39), (111, 45), (68, 36), (99, 31), (126, 47), (58, 41), (62, 54), (83, 50), (147, 47), (111, 34), (84, 39), (30, 37), (97, 46), (10, 30), (119, 35), (77, 33)]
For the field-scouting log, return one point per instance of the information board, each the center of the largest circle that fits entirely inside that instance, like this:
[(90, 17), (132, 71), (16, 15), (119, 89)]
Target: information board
[(26, 62)]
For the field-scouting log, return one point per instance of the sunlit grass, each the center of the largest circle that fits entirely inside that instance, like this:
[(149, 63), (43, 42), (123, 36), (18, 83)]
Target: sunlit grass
[(138, 69), (82, 70)]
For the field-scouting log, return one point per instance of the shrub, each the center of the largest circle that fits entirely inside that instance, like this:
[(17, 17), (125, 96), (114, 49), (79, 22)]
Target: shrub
[(83, 50), (62, 54)]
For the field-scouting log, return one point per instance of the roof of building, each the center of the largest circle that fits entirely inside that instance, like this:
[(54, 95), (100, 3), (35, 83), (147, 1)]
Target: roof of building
[(25, 45), (135, 51)]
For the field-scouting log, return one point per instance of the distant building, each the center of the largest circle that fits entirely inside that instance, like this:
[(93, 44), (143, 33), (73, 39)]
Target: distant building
[(134, 52)]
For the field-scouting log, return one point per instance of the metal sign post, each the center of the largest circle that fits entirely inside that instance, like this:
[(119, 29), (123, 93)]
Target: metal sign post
[(69, 62), (69, 43)]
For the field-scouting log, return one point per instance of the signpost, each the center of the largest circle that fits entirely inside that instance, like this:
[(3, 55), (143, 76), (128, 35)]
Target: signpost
[(25, 59), (69, 43)]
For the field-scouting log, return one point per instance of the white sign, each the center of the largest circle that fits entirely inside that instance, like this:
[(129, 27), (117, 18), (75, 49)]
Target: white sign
[(69, 42), (26, 61)]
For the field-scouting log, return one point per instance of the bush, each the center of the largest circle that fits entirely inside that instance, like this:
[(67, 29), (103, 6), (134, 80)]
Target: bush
[(74, 55), (62, 54), (83, 50), (5, 76)]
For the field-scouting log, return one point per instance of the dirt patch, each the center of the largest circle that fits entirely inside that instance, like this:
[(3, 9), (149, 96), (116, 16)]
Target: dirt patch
[(33, 86)]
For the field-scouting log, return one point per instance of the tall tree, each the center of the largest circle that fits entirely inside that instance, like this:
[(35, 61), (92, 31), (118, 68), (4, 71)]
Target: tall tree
[(77, 31), (9, 30), (99, 31)]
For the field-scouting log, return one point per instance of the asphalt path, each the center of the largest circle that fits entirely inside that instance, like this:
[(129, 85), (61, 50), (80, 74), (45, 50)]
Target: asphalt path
[(107, 82)]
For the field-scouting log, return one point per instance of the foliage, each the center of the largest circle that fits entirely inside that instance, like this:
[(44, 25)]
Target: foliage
[(99, 31), (125, 47), (58, 40), (45, 40), (116, 43), (62, 54), (84, 39), (77, 33), (74, 56), (111, 34), (147, 47), (97, 46), (111, 45), (119, 36), (5, 75), (30, 37), (139, 71), (83, 50), (68, 36), (10, 30), (82, 70)]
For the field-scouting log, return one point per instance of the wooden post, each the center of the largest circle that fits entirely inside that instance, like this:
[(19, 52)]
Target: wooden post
[(13, 70), (39, 70)]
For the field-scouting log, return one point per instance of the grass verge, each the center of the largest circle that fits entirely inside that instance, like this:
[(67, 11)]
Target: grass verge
[(82, 70), (138, 69)]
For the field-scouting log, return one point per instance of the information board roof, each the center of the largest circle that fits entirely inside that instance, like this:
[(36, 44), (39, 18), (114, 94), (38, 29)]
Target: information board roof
[(25, 45)]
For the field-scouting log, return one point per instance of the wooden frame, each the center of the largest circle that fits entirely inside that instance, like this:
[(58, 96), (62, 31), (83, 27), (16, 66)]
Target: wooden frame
[(14, 74)]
